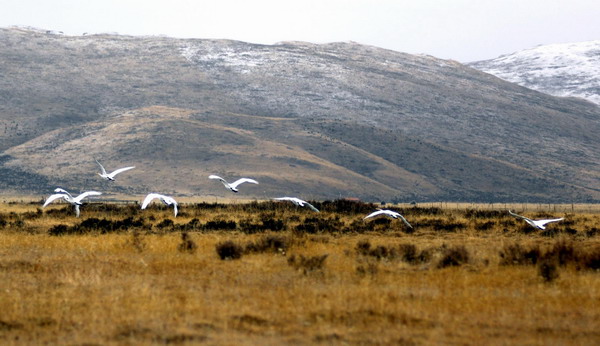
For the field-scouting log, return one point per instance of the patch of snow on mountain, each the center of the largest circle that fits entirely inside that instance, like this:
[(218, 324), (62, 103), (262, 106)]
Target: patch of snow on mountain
[(242, 60), (569, 69)]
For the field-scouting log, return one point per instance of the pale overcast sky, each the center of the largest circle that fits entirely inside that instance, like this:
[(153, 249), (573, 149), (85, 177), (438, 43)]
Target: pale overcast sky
[(463, 30)]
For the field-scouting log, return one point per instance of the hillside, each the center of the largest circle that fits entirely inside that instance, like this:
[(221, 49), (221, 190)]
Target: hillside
[(567, 69), (316, 121)]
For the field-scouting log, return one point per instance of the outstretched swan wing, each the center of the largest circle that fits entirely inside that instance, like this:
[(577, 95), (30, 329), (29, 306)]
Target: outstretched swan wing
[(120, 170), (52, 198), (149, 198), (241, 181), (86, 194), (101, 167)]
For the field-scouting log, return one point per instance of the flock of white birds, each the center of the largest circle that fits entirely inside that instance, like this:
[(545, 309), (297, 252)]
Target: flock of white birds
[(170, 201)]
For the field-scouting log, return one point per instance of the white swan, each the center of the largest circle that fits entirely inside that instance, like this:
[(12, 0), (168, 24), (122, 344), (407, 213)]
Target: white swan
[(539, 224), (233, 186), (390, 213), (298, 202), (111, 176), (75, 201), (165, 199)]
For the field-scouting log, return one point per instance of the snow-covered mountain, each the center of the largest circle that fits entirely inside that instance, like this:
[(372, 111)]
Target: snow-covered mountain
[(566, 69)]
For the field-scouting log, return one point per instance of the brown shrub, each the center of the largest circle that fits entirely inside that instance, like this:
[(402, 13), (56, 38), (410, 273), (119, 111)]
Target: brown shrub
[(454, 256), (363, 247), (369, 268), (228, 250), (590, 260), (59, 229), (483, 214), (218, 225), (517, 255), (317, 225), (562, 252), (166, 223), (441, 225), (485, 226), (548, 270), (406, 252), (268, 243), (384, 252), (592, 232)]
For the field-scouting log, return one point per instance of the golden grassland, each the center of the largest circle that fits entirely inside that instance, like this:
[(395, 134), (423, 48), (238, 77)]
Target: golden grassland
[(119, 275)]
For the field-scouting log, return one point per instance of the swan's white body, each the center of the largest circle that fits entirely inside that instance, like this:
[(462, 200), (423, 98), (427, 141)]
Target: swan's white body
[(165, 199), (539, 224), (390, 213), (75, 201), (233, 186), (111, 176), (298, 202)]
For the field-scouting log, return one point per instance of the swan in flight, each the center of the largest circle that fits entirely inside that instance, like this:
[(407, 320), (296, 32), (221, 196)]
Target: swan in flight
[(75, 201), (389, 213), (233, 186), (539, 224), (298, 202), (111, 176), (165, 199)]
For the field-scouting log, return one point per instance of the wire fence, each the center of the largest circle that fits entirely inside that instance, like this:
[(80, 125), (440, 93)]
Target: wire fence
[(520, 207)]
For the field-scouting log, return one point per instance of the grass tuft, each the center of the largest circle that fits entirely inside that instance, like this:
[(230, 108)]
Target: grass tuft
[(548, 270), (137, 241), (307, 264), (369, 268), (187, 244)]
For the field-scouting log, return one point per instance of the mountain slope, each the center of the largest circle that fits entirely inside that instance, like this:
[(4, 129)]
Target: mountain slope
[(567, 69), (187, 149), (319, 121), (189, 145)]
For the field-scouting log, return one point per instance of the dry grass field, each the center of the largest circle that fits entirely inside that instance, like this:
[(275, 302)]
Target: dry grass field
[(272, 273)]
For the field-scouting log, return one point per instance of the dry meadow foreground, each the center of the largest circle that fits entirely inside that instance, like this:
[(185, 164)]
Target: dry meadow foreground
[(270, 273)]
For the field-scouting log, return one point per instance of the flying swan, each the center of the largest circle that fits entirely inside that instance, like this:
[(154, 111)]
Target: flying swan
[(75, 201), (165, 199), (111, 176), (539, 224), (298, 202), (233, 186), (389, 213)]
